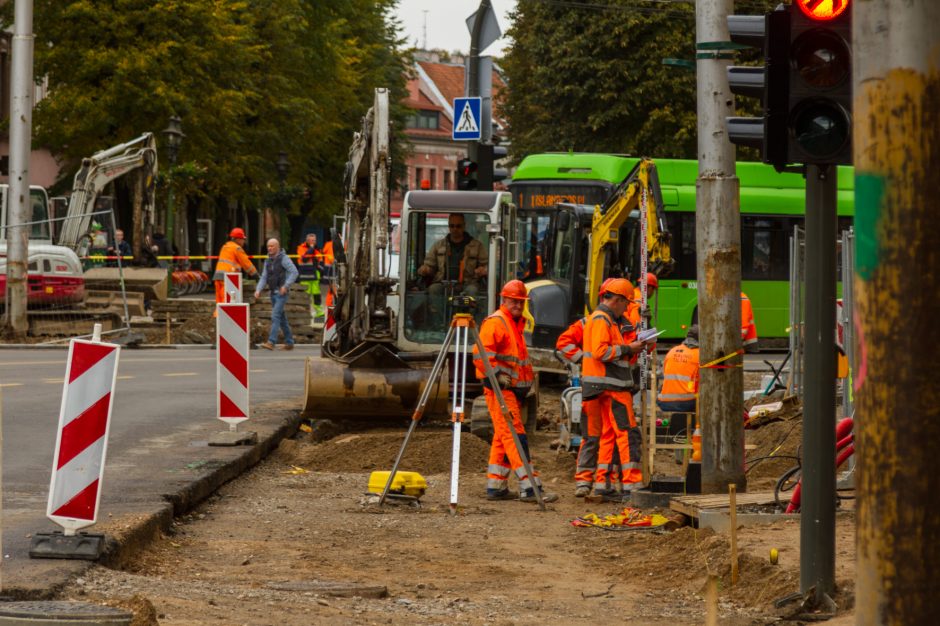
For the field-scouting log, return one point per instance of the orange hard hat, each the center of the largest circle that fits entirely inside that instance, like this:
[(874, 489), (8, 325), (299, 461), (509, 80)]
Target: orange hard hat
[(620, 287), (515, 289), (651, 280), (604, 286), (237, 233)]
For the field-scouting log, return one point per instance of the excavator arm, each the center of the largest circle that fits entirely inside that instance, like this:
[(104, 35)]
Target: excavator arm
[(639, 191), (95, 174)]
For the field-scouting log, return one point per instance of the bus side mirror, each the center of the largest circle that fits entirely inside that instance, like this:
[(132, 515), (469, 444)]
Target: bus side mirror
[(564, 221)]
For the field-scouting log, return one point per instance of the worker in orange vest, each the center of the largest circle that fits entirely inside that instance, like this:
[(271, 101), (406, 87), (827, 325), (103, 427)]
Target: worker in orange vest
[(232, 258), (327, 272), (680, 385), (748, 327), (635, 309), (610, 349), (309, 264), (505, 348)]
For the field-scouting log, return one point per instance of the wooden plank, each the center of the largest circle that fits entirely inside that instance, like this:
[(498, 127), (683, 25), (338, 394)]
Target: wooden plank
[(691, 504)]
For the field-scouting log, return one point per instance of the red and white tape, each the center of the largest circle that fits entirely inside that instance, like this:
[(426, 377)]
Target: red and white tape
[(232, 368), (232, 286), (82, 439)]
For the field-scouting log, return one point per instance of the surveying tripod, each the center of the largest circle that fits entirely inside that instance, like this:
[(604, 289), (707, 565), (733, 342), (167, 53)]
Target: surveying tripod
[(462, 328)]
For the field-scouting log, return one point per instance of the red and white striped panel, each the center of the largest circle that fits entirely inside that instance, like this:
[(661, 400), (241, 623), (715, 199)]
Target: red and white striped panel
[(233, 287), (82, 439), (232, 369)]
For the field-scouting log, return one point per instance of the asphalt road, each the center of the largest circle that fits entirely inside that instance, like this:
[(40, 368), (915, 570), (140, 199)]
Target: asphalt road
[(163, 415)]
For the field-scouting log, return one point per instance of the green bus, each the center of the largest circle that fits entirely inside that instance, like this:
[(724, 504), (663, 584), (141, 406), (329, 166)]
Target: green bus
[(772, 203)]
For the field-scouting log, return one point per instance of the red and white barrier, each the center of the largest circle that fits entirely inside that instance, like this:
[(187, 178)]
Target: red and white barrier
[(82, 439), (232, 363), (232, 286)]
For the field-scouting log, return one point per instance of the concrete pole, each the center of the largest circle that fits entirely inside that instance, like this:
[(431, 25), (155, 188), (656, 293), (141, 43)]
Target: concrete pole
[(897, 284), (718, 250), (21, 124)]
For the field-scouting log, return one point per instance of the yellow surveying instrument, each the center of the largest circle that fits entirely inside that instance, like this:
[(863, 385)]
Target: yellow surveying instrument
[(462, 330)]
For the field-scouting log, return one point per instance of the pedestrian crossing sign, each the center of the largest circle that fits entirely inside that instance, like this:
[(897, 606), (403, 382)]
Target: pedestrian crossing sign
[(467, 113)]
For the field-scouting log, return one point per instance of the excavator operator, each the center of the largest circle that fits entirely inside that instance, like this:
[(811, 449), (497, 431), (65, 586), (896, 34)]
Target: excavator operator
[(458, 259)]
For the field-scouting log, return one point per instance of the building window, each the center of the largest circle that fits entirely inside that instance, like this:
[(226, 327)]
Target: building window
[(446, 179), (427, 120), (419, 175), (433, 174)]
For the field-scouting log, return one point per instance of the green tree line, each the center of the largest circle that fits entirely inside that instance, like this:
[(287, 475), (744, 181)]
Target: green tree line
[(249, 79), (588, 76)]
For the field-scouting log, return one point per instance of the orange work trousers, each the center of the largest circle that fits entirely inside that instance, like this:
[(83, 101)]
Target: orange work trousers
[(591, 425), (619, 426), (503, 454)]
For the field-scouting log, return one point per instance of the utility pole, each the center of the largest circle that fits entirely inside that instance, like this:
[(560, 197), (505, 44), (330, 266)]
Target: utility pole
[(473, 69), (897, 281), (718, 250), (21, 124)]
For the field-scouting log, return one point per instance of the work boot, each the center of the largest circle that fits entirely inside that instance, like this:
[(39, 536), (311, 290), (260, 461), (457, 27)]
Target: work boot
[(267, 345), (288, 346), (582, 491), (529, 496), (505, 494), (608, 495)]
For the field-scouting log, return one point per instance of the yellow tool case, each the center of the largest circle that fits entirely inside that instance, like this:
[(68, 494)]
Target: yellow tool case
[(405, 483)]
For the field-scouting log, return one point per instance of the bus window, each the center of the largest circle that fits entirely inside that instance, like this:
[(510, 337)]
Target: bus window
[(765, 247), (682, 227)]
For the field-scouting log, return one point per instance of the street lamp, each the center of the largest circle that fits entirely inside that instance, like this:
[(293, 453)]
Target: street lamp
[(283, 166), (174, 137)]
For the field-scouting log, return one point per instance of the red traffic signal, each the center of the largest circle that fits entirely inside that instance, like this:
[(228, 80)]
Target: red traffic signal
[(822, 10), (466, 175)]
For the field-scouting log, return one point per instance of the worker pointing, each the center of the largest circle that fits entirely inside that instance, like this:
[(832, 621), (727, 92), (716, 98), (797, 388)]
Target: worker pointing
[(232, 258), (502, 339), (610, 349)]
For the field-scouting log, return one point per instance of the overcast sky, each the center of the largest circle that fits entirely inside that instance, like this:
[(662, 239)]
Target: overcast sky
[(446, 23)]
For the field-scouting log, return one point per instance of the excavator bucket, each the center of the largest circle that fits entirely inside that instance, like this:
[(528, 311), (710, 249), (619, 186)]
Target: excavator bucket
[(374, 384)]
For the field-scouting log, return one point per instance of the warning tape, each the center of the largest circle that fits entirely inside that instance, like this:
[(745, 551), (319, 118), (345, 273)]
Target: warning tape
[(715, 364), (104, 257)]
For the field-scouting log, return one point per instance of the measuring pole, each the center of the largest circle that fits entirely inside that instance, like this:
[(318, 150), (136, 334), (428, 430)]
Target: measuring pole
[(818, 502), (897, 287), (21, 123), (718, 252)]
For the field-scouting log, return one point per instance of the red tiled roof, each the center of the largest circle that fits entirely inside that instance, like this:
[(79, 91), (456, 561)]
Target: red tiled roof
[(449, 79)]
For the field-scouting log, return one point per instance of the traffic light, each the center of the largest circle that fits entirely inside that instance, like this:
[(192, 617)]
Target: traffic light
[(771, 34), (820, 102), (466, 175), (499, 173)]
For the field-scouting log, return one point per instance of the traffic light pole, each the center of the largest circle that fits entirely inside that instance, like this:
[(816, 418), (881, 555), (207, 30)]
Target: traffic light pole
[(718, 237), (473, 80), (897, 283), (818, 502)]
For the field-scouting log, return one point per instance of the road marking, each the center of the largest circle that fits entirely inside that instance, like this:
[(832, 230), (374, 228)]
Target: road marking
[(11, 384), (257, 371), (53, 381), (182, 374), (125, 377)]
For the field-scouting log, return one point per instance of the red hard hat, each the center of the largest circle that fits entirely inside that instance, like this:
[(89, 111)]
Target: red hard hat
[(620, 287), (237, 233), (651, 280), (604, 286), (515, 289)]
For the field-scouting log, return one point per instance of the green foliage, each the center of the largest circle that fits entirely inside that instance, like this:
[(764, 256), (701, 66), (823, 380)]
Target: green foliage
[(248, 79), (589, 77)]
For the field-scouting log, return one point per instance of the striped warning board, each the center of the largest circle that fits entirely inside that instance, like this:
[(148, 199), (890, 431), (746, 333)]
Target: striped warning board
[(82, 439), (232, 369), (233, 287)]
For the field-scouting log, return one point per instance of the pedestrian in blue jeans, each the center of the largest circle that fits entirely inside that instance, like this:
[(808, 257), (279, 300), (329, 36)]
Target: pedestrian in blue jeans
[(278, 275)]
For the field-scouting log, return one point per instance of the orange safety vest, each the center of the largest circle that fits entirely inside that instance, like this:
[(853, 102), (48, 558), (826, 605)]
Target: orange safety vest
[(606, 365), (748, 328), (304, 257), (571, 341), (232, 259), (680, 374), (328, 252), (633, 309), (505, 347)]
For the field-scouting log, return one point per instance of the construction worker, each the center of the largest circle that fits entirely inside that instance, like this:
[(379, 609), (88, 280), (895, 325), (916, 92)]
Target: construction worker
[(680, 384), (309, 262), (232, 258), (635, 310), (326, 271), (610, 348), (570, 345), (748, 328), (502, 339)]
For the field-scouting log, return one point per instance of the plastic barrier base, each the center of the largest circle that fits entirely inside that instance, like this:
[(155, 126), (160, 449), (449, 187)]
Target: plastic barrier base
[(56, 545)]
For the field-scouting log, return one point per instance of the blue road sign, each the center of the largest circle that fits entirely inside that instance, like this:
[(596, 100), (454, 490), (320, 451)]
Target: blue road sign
[(467, 113)]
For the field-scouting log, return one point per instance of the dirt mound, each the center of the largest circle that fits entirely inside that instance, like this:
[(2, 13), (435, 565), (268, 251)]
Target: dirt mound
[(428, 452), (779, 436)]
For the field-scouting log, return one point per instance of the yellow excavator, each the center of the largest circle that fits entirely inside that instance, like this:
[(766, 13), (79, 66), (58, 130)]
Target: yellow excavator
[(585, 244), (389, 321)]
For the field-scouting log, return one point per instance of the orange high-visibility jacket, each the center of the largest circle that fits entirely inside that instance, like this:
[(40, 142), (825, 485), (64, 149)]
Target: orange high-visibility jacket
[(305, 257), (748, 328), (505, 348), (328, 252), (680, 374), (606, 365), (232, 259), (570, 342)]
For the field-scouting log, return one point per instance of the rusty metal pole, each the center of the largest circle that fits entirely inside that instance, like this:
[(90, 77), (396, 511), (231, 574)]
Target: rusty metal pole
[(718, 248), (897, 282)]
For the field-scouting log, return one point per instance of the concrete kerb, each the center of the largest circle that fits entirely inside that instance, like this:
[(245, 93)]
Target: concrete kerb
[(148, 525)]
